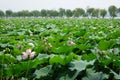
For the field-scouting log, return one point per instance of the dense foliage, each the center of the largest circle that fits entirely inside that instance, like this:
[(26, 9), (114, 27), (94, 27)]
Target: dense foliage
[(59, 49), (112, 11)]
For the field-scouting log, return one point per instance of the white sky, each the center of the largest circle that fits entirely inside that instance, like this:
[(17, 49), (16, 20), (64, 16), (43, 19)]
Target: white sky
[(17, 5)]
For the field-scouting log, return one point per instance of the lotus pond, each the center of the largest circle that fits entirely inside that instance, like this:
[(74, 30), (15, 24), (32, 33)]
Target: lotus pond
[(59, 49)]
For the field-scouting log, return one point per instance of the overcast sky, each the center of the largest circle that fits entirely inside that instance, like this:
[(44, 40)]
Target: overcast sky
[(17, 5)]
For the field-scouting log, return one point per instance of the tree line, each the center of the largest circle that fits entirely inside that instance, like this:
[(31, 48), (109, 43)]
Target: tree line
[(112, 11)]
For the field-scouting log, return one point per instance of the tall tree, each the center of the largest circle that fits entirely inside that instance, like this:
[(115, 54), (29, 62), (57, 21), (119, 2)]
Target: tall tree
[(43, 13), (103, 13), (9, 13), (1, 13), (68, 13), (35, 13), (61, 12), (112, 11), (15, 14), (78, 12), (95, 13), (48, 13), (90, 11), (23, 13), (52, 13)]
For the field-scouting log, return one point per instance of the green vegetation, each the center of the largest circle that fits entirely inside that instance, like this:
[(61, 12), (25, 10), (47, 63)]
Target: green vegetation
[(59, 49), (112, 12)]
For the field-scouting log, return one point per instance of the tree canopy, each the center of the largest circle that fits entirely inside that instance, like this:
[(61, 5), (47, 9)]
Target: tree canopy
[(103, 13), (112, 11), (1, 13)]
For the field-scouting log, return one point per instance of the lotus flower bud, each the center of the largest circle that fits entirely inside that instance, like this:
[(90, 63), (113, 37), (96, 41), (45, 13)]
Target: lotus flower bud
[(100, 52), (71, 43), (19, 46), (44, 42), (50, 45), (31, 34), (46, 48)]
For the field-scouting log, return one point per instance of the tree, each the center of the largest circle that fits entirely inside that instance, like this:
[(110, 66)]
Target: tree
[(95, 13), (43, 13), (52, 13), (112, 11), (118, 11), (103, 13), (68, 13), (35, 13), (85, 14), (23, 13), (1, 13), (8, 13), (78, 12), (90, 11), (61, 12), (48, 13), (15, 14)]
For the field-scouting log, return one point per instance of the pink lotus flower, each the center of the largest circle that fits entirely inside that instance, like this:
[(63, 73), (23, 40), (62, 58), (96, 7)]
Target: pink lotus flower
[(24, 55), (32, 54), (28, 51), (28, 54), (71, 43)]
